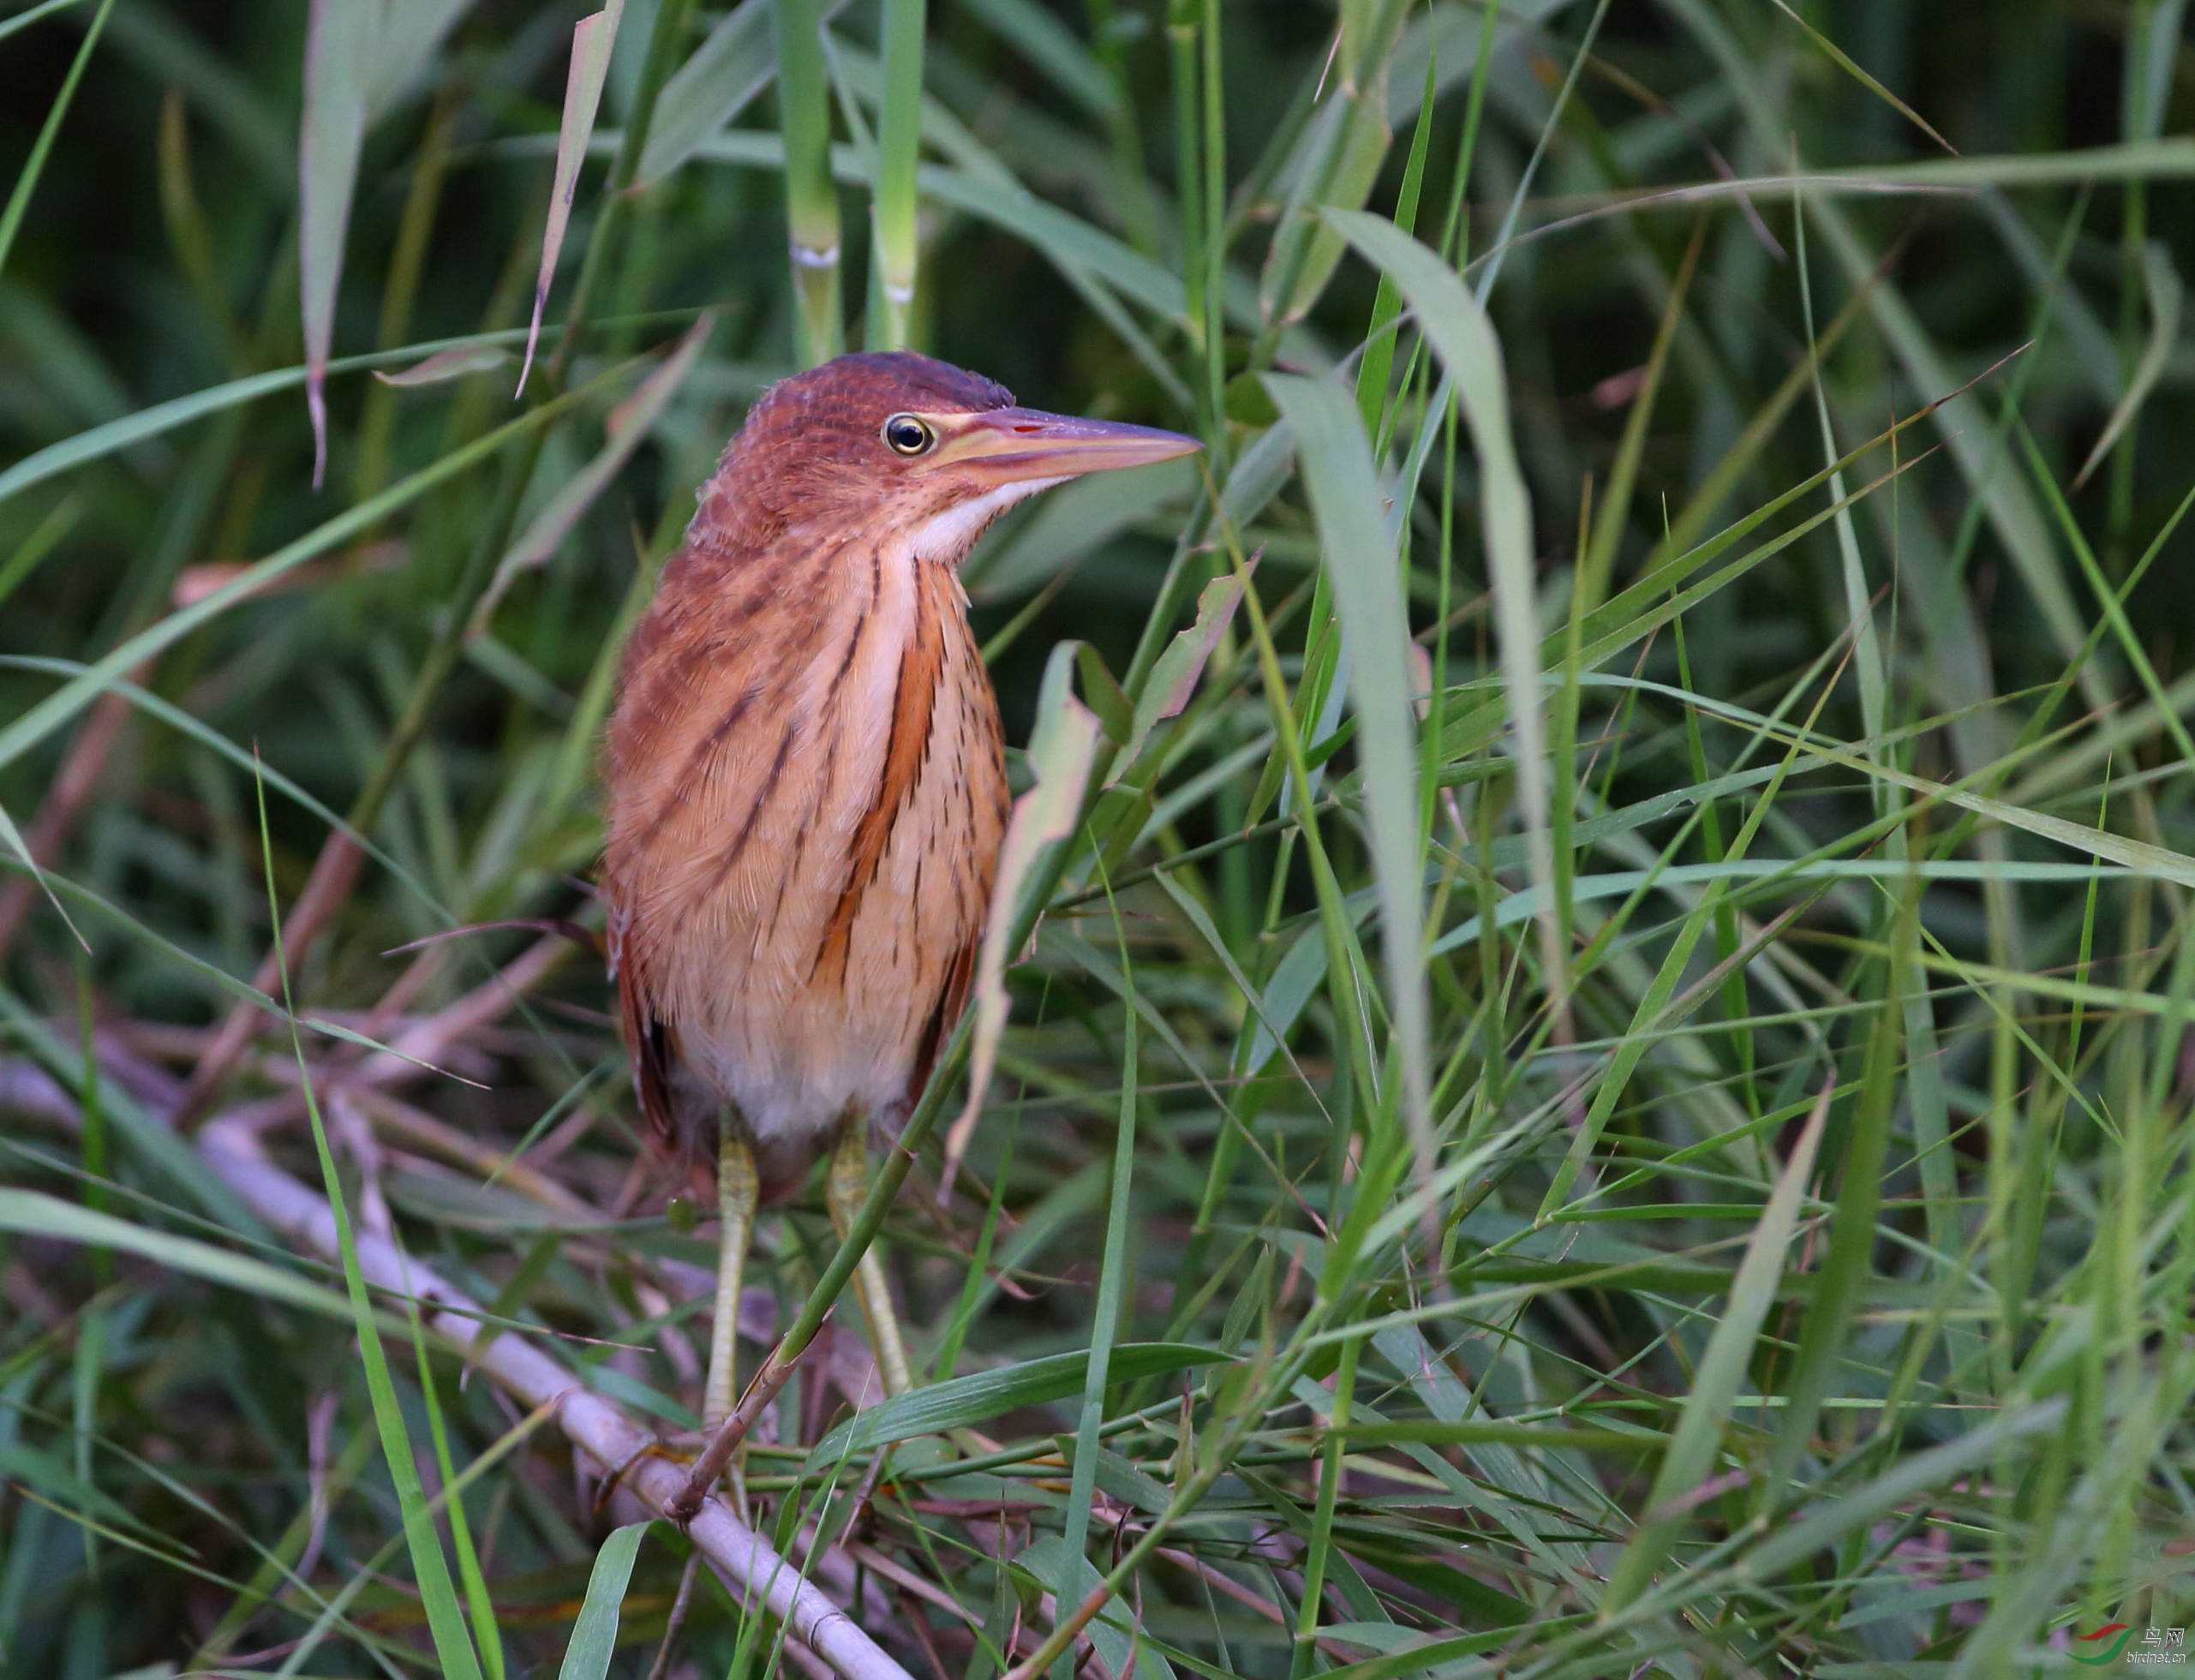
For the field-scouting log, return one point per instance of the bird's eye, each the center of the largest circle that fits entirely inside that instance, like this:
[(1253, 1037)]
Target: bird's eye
[(907, 435)]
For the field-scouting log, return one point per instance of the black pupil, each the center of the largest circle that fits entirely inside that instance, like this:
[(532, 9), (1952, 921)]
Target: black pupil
[(907, 434)]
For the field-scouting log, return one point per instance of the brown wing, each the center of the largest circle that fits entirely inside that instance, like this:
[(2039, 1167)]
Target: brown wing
[(959, 973), (645, 1041), (983, 770)]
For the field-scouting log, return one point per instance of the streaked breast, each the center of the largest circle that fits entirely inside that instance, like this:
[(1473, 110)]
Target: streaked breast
[(806, 795)]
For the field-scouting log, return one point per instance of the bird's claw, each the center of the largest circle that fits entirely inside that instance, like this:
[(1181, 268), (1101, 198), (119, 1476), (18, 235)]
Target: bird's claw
[(654, 1447)]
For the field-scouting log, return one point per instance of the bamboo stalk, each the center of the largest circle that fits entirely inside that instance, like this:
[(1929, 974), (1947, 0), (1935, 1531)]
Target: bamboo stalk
[(765, 1579), (899, 148), (812, 201)]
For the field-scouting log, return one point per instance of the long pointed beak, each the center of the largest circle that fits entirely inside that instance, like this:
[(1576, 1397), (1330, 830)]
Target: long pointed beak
[(1011, 445)]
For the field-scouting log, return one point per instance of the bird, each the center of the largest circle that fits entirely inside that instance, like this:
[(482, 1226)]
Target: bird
[(805, 787)]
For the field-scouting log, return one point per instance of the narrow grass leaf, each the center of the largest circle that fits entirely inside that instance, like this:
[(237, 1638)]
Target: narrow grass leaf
[(33, 1213), (445, 1619), (595, 1635), (1376, 368), (1722, 1369), (33, 726), (18, 199), (1845, 62), (2161, 280), (1842, 1288), (1173, 675), (1083, 254), (1114, 1265), (1337, 163), (125, 432), (341, 41), (23, 19), (735, 62), (1358, 554), (151, 1137), (41, 541), (1038, 36), (2114, 608), (410, 32), (592, 39), (1452, 320), (479, 1600), (12, 838), (1867, 648), (446, 365), (629, 423), (1061, 752), (1832, 1520)]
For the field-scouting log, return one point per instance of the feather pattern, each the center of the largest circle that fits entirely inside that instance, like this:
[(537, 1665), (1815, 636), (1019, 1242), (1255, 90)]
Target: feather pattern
[(806, 794)]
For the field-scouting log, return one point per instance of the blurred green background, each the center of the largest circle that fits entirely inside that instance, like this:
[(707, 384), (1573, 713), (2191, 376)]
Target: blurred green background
[(1730, 1130)]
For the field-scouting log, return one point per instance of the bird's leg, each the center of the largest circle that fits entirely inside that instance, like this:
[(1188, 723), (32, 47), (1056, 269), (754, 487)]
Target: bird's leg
[(846, 1189), (738, 1191)]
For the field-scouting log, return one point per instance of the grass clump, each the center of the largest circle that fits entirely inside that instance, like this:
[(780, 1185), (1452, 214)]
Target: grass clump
[(1599, 1086)]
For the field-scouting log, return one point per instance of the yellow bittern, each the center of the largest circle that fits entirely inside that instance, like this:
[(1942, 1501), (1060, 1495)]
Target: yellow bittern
[(806, 790)]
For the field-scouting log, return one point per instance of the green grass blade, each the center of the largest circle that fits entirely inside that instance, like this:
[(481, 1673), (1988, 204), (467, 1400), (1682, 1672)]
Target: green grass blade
[(48, 714), (19, 199), (1853, 1231), (1465, 339), (480, 1601), (342, 40), (1105, 1323), (595, 1635), (33, 1213), (593, 39), (453, 1645), (1358, 556), (1722, 1370), (31, 15)]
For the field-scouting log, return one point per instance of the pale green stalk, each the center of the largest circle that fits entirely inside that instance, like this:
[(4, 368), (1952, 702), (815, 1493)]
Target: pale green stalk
[(811, 198), (899, 148)]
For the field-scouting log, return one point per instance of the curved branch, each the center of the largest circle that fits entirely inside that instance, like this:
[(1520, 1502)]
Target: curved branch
[(596, 1426)]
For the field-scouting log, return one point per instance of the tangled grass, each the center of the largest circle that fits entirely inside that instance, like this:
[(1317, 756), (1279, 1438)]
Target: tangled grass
[(1600, 1086)]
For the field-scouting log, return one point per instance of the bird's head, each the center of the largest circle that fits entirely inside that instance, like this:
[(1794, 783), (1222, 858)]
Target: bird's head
[(895, 447)]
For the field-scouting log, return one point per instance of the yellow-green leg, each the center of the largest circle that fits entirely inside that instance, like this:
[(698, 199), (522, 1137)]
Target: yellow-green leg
[(737, 1190), (847, 1188)]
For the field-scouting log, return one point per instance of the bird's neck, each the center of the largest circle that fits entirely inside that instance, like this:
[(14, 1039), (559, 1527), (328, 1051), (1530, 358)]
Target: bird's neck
[(945, 536)]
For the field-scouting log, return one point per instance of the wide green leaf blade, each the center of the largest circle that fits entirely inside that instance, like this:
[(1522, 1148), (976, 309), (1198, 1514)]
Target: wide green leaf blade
[(342, 42), (1456, 324), (1358, 556), (594, 1633)]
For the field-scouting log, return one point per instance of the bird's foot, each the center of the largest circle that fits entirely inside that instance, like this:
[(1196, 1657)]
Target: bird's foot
[(656, 1446)]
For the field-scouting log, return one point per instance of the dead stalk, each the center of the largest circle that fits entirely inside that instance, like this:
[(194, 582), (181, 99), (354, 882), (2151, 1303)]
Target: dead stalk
[(602, 1432)]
